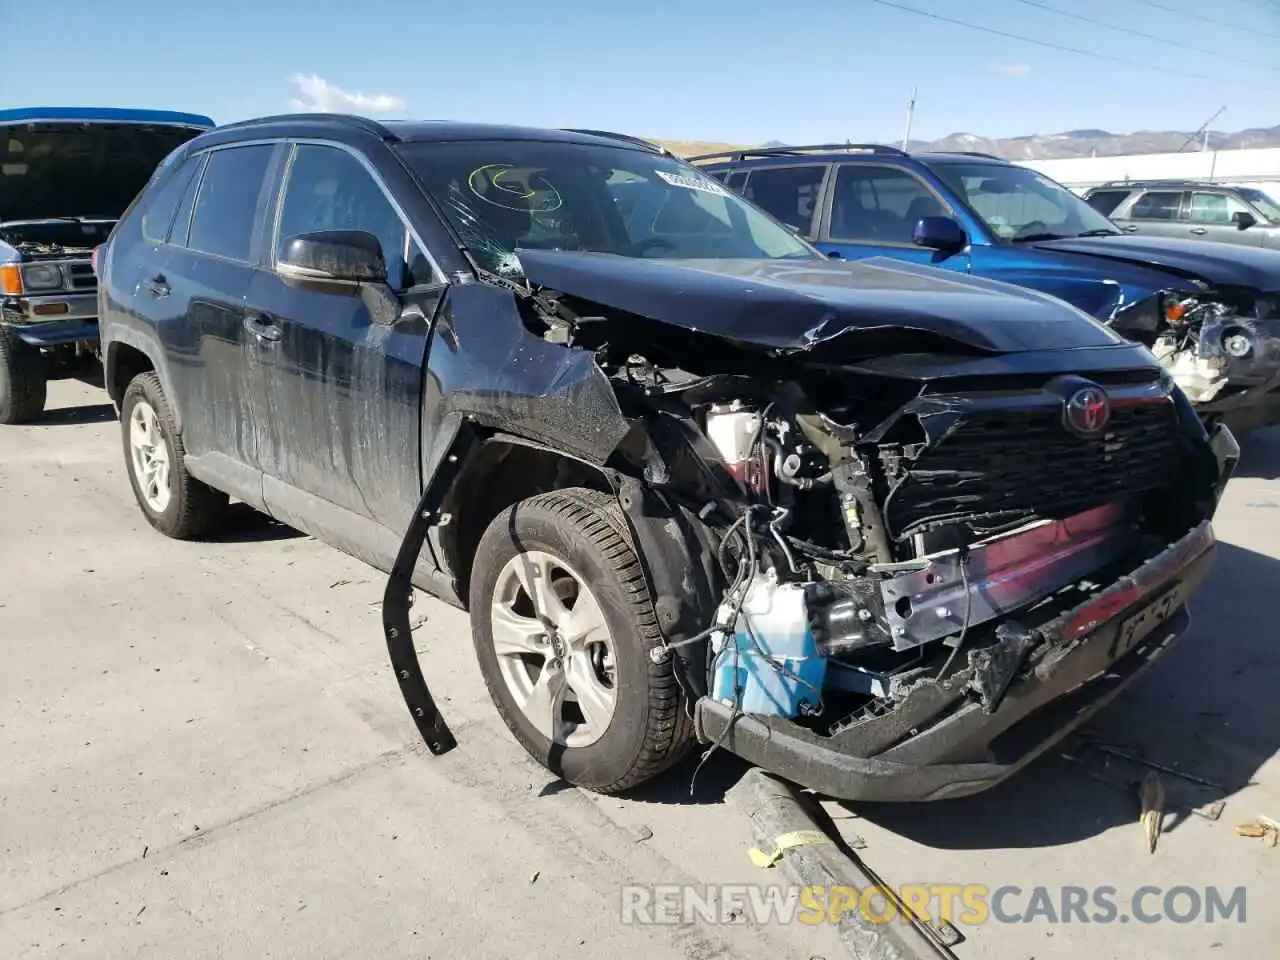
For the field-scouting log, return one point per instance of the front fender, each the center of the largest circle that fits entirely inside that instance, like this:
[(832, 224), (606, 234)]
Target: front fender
[(1100, 287)]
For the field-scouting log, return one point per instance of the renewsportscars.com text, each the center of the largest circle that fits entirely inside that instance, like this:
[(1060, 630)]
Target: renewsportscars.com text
[(969, 904)]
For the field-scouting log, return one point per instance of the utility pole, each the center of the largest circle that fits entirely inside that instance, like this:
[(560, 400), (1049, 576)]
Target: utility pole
[(1203, 131), (911, 112)]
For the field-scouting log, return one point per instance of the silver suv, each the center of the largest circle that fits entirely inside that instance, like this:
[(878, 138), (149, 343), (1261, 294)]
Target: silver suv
[(1189, 209)]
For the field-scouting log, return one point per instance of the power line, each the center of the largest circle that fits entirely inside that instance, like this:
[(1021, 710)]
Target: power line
[(1142, 33), (1195, 16), (1077, 50)]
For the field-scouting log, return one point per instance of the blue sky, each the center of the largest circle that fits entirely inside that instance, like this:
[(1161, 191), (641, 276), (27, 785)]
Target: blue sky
[(744, 71)]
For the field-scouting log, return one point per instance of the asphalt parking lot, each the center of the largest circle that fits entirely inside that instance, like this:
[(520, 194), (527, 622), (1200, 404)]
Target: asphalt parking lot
[(205, 754)]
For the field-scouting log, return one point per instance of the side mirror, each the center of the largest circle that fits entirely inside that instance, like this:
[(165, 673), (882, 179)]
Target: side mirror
[(350, 257), (1244, 219), (940, 233)]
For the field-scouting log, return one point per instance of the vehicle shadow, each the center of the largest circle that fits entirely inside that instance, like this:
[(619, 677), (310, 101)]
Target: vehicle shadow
[(72, 416), (695, 780), (243, 524), (1260, 455), (1208, 710)]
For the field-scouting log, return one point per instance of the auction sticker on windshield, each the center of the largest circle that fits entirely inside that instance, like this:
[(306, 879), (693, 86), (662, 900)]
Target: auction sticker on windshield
[(692, 183)]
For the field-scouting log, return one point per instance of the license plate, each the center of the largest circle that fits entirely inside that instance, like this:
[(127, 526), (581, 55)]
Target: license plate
[(1138, 626)]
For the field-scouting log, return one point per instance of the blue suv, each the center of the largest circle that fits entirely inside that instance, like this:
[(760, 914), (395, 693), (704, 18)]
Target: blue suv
[(1210, 315)]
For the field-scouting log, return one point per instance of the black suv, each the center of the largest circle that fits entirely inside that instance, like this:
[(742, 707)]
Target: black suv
[(691, 478), (1190, 209)]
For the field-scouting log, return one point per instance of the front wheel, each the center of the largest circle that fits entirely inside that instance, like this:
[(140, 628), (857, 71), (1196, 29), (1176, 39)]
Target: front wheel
[(23, 378), (563, 625)]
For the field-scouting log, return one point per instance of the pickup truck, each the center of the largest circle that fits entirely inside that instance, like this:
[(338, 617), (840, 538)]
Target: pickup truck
[(865, 524), (66, 174)]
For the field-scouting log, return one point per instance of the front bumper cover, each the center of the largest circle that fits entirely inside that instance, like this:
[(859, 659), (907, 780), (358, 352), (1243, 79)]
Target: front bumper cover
[(56, 333), (1092, 653)]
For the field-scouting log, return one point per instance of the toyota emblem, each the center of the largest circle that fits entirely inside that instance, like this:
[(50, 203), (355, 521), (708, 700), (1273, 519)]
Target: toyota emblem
[(1088, 411)]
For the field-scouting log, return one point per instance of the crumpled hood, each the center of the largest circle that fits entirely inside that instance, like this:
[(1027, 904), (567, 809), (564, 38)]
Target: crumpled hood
[(1214, 263), (791, 306)]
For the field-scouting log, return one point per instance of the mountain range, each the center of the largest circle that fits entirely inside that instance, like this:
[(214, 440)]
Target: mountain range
[(1073, 143), (1101, 143)]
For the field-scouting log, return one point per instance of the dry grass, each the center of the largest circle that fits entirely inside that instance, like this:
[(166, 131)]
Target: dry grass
[(692, 148)]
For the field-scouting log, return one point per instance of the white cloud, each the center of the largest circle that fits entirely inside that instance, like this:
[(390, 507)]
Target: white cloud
[(1011, 69), (319, 95)]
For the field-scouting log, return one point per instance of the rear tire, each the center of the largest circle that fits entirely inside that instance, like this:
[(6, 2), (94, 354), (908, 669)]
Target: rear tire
[(173, 501), (577, 544), (23, 379)]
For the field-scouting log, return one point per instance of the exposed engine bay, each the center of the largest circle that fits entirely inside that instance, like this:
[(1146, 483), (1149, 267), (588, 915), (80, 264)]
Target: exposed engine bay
[(865, 560), (63, 236)]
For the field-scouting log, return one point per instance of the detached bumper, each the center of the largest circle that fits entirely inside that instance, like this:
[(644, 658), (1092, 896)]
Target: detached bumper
[(1090, 654)]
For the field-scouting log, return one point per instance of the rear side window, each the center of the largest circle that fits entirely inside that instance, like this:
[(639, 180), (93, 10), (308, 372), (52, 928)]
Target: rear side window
[(1106, 201), (182, 219), (789, 193), (231, 194), (1156, 206), (736, 179), (158, 208)]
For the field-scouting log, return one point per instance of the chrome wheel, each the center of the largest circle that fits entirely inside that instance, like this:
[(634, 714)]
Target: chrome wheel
[(149, 455), (554, 649)]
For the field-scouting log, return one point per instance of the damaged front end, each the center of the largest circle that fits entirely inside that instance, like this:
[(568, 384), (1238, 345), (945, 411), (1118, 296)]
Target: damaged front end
[(902, 595), (919, 562), (1222, 347)]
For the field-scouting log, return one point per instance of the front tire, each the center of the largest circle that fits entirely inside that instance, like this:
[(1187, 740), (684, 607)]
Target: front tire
[(173, 501), (563, 624), (23, 379)]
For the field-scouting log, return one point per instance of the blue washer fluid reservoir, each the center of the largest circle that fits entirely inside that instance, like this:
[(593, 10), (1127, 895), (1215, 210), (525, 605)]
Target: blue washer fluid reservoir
[(748, 670)]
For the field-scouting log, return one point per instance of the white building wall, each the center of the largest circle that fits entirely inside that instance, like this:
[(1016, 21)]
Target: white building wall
[(1259, 168)]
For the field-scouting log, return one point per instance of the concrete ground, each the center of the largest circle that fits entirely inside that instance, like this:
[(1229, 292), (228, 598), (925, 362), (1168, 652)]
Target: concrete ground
[(205, 754)]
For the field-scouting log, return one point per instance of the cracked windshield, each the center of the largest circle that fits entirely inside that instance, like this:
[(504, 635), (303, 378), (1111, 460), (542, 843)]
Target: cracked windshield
[(544, 196)]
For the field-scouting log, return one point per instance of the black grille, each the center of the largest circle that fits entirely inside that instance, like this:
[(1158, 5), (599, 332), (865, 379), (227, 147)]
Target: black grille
[(80, 276), (1015, 464)]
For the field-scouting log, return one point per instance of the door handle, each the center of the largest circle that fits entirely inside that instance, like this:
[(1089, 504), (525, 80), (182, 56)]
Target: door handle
[(157, 286), (262, 328), (1199, 231), (1131, 228)]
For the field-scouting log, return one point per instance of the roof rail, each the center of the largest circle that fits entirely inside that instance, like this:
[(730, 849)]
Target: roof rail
[(624, 137), (800, 151), (1162, 182), (345, 119), (970, 153)]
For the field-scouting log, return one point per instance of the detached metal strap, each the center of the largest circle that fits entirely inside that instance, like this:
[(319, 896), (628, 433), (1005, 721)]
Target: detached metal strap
[(398, 598)]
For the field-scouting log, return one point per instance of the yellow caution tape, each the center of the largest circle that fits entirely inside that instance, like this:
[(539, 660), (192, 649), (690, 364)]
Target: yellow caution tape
[(788, 841)]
